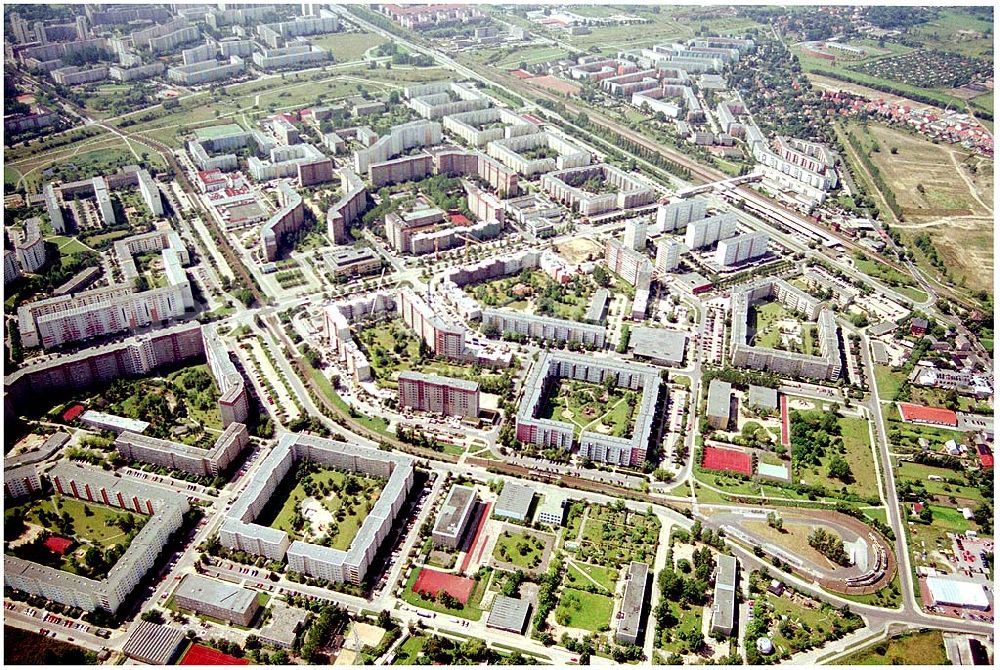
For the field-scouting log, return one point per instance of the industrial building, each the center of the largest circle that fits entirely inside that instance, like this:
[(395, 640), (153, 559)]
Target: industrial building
[(514, 503)]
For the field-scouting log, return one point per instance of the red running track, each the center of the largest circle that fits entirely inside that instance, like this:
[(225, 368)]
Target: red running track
[(483, 518), (784, 420)]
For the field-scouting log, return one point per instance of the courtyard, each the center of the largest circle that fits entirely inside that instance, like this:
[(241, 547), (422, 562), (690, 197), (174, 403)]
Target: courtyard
[(604, 409)]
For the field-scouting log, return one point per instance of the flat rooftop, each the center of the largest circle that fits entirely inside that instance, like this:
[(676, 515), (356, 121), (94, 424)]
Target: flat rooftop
[(216, 593), (658, 344), (211, 132), (508, 613), (514, 501), (455, 508)]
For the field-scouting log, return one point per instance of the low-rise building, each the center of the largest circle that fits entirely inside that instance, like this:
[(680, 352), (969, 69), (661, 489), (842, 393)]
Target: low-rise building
[(628, 625), (509, 614), (454, 516), (724, 600), (221, 600), (514, 502)]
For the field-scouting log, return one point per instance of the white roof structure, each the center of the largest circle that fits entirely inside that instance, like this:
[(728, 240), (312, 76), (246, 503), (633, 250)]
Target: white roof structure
[(958, 592), (776, 471)]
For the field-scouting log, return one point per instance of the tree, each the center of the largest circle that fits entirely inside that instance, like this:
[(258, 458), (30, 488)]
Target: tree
[(840, 469), (601, 276)]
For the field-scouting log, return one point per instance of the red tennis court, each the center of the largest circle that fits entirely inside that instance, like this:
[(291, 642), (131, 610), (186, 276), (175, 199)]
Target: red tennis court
[(72, 412), (201, 655), (58, 545), (431, 582), (726, 460)]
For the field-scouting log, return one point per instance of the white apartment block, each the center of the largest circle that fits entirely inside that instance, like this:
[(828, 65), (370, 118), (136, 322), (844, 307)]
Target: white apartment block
[(238, 530), (677, 215), (742, 248), (706, 232), (479, 127), (400, 138), (511, 152)]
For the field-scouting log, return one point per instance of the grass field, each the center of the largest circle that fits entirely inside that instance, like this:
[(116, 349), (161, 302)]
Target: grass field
[(523, 550), (581, 574), (409, 651), (79, 160), (917, 472), (349, 499), (580, 609), (534, 291), (348, 46), (932, 183), (671, 639), (923, 648)]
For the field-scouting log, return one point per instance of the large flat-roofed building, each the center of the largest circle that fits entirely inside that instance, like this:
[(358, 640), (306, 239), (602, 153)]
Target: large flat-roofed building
[(453, 517), (401, 138), (221, 600), (724, 600), (20, 480), (510, 322), (112, 423), (719, 408), (826, 365), (676, 216), (439, 395), (153, 643), (658, 345), (178, 456), (287, 219), (438, 99), (629, 622), (352, 262), (544, 375), (239, 531), (283, 626), (207, 71), (509, 614), (552, 510), (165, 510), (957, 592), (482, 126), (514, 502)]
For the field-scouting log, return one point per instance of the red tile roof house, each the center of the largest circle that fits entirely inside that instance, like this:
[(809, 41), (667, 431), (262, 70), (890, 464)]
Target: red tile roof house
[(918, 327)]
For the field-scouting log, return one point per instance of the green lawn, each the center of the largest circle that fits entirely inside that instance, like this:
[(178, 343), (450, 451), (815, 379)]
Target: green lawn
[(888, 382), (409, 651), (521, 549), (670, 639), (67, 245), (921, 648), (471, 610), (584, 574), (916, 472), (350, 499), (580, 609), (764, 318), (348, 46), (593, 407), (950, 519), (616, 540)]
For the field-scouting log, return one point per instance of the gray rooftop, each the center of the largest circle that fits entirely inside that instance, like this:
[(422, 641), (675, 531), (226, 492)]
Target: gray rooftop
[(231, 597), (719, 394), (283, 624), (633, 600), (343, 257), (725, 591), (595, 311), (455, 509), (514, 501), (52, 444), (153, 643), (508, 613), (763, 397), (658, 344)]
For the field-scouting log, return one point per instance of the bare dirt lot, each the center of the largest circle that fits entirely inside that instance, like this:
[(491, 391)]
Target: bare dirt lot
[(580, 250)]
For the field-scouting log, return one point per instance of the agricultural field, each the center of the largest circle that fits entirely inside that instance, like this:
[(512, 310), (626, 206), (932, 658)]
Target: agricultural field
[(593, 407), (325, 506)]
